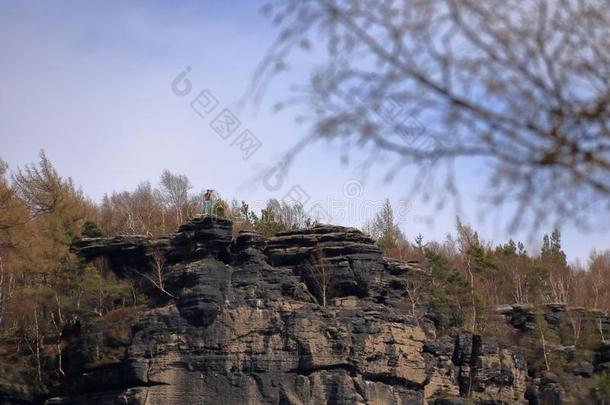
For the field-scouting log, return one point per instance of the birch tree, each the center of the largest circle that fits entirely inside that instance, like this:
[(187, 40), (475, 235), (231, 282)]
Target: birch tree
[(174, 190), (317, 270)]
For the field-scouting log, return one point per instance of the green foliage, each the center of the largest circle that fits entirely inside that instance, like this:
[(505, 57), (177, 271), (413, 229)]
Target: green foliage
[(41, 213), (268, 224), (92, 230), (551, 252), (274, 218), (558, 361), (99, 292), (590, 337), (601, 392), (508, 249), (449, 291), (538, 281)]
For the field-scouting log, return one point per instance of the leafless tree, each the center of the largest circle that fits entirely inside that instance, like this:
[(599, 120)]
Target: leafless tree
[(159, 272), (34, 341), (174, 189), (520, 284), (316, 268), (561, 285), (543, 343), (597, 281), (576, 319), (415, 291), (521, 85), (57, 322), (136, 212), (292, 216), (468, 241), (384, 229)]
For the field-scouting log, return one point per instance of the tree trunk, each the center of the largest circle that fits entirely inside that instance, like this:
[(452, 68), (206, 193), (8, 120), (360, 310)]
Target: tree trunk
[(37, 346), (543, 343), (472, 297)]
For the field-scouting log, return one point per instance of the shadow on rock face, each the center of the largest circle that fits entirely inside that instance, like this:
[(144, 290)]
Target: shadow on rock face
[(200, 305), (200, 288)]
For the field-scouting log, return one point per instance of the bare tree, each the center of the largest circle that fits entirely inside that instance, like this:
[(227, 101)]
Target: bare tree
[(521, 84), (293, 216), (34, 340), (384, 228), (174, 189), (561, 285), (57, 323), (316, 268), (136, 212), (519, 272), (598, 280), (159, 272), (415, 291), (543, 344), (469, 244), (576, 319)]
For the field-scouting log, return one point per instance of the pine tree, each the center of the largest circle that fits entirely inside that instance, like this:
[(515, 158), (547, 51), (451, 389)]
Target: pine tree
[(553, 262)]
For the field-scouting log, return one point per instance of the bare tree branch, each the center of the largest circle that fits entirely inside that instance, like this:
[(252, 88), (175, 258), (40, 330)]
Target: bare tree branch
[(522, 86)]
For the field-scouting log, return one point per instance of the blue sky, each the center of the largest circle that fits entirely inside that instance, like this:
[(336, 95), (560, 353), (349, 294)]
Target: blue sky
[(91, 84)]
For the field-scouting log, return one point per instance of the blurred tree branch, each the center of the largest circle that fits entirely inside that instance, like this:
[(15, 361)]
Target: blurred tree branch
[(522, 85)]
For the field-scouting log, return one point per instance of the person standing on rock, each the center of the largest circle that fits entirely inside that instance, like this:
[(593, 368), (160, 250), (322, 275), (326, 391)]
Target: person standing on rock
[(207, 202)]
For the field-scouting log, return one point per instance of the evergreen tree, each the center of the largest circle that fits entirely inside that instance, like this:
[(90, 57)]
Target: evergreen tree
[(449, 292), (92, 230)]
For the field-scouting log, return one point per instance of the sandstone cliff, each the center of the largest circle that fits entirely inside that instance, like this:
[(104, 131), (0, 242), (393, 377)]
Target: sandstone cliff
[(243, 323), (313, 316)]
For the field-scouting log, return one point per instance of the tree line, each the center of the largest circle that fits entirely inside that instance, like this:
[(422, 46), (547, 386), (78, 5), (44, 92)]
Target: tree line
[(45, 288), (469, 275)]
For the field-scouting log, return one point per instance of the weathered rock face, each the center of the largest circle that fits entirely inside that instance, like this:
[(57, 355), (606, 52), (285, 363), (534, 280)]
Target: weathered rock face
[(247, 325), (564, 327)]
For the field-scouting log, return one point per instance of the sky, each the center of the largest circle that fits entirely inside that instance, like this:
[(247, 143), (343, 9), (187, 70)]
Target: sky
[(95, 84)]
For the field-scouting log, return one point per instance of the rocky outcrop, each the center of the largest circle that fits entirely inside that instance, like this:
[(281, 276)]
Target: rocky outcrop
[(564, 327), (560, 319), (307, 317), (123, 254)]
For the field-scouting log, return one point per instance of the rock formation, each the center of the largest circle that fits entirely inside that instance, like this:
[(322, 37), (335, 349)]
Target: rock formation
[(244, 322)]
